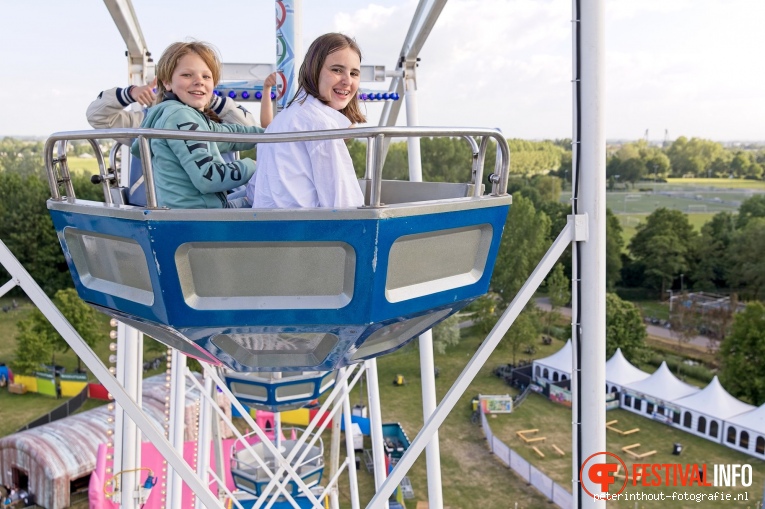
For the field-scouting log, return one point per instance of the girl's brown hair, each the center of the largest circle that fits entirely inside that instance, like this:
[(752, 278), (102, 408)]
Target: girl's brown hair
[(169, 61), (310, 70)]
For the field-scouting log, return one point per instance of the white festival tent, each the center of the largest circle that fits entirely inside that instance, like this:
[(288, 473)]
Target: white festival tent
[(554, 367), (704, 412), (711, 413), (746, 432), (657, 392), (621, 372)]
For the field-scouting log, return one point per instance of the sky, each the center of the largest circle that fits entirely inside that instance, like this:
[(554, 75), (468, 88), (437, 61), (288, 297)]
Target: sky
[(673, 68)]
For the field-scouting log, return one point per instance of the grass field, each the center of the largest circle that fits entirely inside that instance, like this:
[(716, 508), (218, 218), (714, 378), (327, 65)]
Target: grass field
[(472, 477), (757, 185), (554, 422), (87, 165)]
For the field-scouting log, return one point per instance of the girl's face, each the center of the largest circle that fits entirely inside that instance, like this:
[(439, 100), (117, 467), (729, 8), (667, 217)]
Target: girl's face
[(339, 78), (192, 82)]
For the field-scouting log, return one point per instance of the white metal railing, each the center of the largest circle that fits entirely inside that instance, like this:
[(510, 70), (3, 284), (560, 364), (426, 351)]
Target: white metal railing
[(58, 170)]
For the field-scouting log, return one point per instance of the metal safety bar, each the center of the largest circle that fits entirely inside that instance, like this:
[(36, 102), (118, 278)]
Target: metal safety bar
[(58, 172)]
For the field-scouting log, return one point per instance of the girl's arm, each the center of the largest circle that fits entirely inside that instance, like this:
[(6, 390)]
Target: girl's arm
[(266, 105)]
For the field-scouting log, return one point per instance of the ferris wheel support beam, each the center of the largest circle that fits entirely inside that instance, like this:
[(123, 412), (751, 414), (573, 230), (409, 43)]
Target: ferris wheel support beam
[(424, 19), (575, 230), (140, 64)]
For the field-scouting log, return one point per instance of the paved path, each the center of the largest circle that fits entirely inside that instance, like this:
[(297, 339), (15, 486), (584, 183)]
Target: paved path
[(653, 330)]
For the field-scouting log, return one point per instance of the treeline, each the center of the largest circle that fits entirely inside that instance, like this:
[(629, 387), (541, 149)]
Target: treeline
[(684, 158), (654, 260), (726, 256), (450, 159)]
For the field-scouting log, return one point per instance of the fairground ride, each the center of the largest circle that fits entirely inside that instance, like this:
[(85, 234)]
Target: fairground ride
[(322, 293)]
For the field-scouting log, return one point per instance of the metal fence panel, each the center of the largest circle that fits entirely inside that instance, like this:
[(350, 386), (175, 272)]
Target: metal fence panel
[(553, 491), (561, 497), (501, 450), (520, 465), (541, 482)]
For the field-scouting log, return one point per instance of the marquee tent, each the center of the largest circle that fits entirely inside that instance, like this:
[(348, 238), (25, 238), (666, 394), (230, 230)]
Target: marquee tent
[(704, 412)]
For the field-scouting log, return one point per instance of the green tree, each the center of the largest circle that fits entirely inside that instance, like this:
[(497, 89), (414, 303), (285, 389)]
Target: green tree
[(742, 355), (82, 317), (446, 334), (710, 271), (614, 247), (523, 332), (523, 243), (663, 246), (20, 157), (747, 265), (397, 162), (27, 230), (358, 152), (695, 157), (624, 328), (549, 188), (657, 165), (484, 312), (534, 157), (559, 292), (740, 164), (749, 209), (632, 170), (32, 348)]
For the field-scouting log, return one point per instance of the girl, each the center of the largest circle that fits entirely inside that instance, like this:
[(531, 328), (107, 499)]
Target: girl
[(192, 174), (314, 173)]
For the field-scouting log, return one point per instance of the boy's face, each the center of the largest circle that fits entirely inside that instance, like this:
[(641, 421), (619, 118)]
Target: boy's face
[(339, 78), (192, 82)]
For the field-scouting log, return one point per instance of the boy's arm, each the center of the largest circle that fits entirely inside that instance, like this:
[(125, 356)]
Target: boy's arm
[(108, 110), (231, 112)]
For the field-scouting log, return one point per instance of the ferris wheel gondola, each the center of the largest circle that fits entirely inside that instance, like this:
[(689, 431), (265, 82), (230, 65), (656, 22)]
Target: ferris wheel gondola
[(285, 290)]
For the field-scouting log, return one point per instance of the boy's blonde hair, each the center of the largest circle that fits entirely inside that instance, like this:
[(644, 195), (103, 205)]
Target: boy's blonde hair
[(173, 53), (308, 78)]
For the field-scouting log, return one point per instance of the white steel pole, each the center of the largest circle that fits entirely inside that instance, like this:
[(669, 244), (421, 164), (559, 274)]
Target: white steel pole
[(427, 363), (351, 452), (589, 131), (131, 363), (177, 418), (206, 415), (412, 144), (433, 449), (334, 455), (120, 416), (375, 425)]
